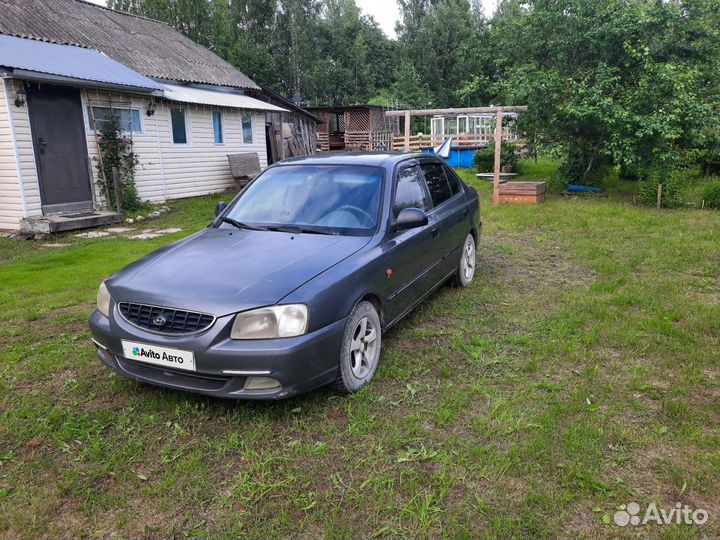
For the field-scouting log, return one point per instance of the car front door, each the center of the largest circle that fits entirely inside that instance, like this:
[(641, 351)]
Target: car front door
[(409, 255), (450, 214)]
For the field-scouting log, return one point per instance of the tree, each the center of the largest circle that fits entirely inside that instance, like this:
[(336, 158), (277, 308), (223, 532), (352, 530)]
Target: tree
[(442, 40), (612, 82)]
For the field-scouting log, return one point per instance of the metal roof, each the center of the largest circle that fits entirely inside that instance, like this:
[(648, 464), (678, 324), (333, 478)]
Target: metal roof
[(150, 47), (69, 62), (187, 94), (270, 94)]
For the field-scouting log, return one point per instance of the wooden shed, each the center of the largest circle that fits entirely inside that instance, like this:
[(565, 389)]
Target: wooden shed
[(288, 133), (354, 127)]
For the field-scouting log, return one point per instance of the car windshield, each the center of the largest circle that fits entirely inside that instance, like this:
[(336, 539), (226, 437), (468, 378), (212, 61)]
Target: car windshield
[(324, 199)]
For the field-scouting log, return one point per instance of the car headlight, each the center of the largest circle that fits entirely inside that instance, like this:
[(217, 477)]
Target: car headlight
[(271, 322), (103, 300)]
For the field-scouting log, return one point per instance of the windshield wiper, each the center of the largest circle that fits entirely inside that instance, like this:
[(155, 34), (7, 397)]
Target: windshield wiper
[(299, 229), (241, 225)]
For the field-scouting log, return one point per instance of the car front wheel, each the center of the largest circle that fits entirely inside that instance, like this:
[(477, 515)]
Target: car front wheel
[(360, 352), (466, 266)]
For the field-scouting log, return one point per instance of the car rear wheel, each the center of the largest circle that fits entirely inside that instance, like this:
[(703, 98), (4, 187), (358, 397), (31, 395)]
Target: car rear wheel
[(360, 352), (466, 267)]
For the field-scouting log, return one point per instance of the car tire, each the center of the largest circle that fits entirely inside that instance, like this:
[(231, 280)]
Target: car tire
[(360, 351), (466, 266)]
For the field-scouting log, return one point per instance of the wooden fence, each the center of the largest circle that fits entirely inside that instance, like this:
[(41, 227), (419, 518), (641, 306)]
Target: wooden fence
[(418, 142)]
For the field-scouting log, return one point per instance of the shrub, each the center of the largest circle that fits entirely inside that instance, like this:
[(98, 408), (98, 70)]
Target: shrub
[(674, 187), (117, 153), (577, 169), (485, 157), (711, 193)]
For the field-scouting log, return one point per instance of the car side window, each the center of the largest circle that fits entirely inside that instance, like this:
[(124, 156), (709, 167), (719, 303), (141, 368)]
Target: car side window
[(437, 182), (410, 191), (453, 180)]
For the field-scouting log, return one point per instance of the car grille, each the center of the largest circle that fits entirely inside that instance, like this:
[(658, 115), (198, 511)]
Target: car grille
[(176, 321)]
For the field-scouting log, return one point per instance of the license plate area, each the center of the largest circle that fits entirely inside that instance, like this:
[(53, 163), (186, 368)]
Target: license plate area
[(157, 355)]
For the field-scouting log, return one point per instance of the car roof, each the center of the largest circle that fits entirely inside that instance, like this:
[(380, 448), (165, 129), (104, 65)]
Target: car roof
[(383, 159)]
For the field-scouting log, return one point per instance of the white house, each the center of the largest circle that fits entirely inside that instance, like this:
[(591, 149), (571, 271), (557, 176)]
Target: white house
[(67, 66)]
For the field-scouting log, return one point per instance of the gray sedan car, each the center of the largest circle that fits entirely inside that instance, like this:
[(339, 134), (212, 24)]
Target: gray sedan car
[(294, 283)]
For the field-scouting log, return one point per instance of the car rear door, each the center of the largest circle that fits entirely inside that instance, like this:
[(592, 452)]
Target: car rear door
[(410, 255), (449, 215)]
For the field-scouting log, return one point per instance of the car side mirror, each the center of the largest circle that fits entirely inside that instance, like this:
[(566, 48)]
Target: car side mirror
[(410, 218), (220, 207)]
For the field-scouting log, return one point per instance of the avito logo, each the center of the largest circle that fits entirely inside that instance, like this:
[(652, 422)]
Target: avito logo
[(147, 353)]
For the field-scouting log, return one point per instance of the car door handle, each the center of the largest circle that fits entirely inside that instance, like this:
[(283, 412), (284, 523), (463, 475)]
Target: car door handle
[(435, 232), (41, 145), (466, 212)]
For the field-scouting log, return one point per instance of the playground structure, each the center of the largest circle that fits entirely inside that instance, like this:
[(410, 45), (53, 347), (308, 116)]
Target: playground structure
[(470, 141)]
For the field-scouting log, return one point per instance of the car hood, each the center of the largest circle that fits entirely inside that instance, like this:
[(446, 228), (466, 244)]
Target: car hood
[(221, 271)]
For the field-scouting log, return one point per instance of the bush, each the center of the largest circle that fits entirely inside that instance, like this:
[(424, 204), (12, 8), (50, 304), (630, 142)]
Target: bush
[(118, 155), (711, 194), (674, 187), (575, 170), (485, 157)]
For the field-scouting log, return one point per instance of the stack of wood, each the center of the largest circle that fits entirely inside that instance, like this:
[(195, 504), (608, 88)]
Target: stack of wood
[(523, 192)]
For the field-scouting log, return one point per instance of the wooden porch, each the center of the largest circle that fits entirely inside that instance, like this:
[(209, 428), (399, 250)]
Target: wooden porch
[(418, 142)]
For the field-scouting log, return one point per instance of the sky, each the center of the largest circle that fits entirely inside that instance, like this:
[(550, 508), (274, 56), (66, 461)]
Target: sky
[(386, 12)]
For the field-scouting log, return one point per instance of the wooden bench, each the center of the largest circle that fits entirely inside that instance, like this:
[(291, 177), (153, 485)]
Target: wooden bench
[(523, 192), (244, 167)]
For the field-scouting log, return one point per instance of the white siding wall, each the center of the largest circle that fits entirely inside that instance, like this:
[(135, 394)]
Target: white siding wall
[(166, 171), (169, 171), (26, 152), (10, 199)]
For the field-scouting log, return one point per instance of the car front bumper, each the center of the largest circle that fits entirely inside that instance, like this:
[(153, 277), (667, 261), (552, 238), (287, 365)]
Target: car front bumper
[(223, 365)]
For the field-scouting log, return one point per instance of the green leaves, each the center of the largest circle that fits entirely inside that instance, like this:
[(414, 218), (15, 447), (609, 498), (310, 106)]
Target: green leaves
[(611, 82)]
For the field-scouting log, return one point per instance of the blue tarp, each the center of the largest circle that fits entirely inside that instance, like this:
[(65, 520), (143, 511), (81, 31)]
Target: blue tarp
[(463, 158), (581, 189)]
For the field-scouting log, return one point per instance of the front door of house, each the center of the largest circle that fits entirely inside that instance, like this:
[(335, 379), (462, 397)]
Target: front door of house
[(58, 133)]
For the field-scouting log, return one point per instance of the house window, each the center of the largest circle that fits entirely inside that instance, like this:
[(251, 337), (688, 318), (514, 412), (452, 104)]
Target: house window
[(217, 127), (179, 127), (128, 119), (247, 131)]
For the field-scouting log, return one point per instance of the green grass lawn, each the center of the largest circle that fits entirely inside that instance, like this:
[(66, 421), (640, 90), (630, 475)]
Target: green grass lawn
[(579, 372)]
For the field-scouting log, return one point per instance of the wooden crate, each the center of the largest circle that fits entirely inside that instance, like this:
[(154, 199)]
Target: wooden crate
[(523, 192)]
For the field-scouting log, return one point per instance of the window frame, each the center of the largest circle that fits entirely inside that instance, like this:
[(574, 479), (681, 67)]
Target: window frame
[(92, 125), (396, 180), (465, 121), (449, 172), (249, 114), (219, 112), (188, 132), (440, 120), (442, 167)]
